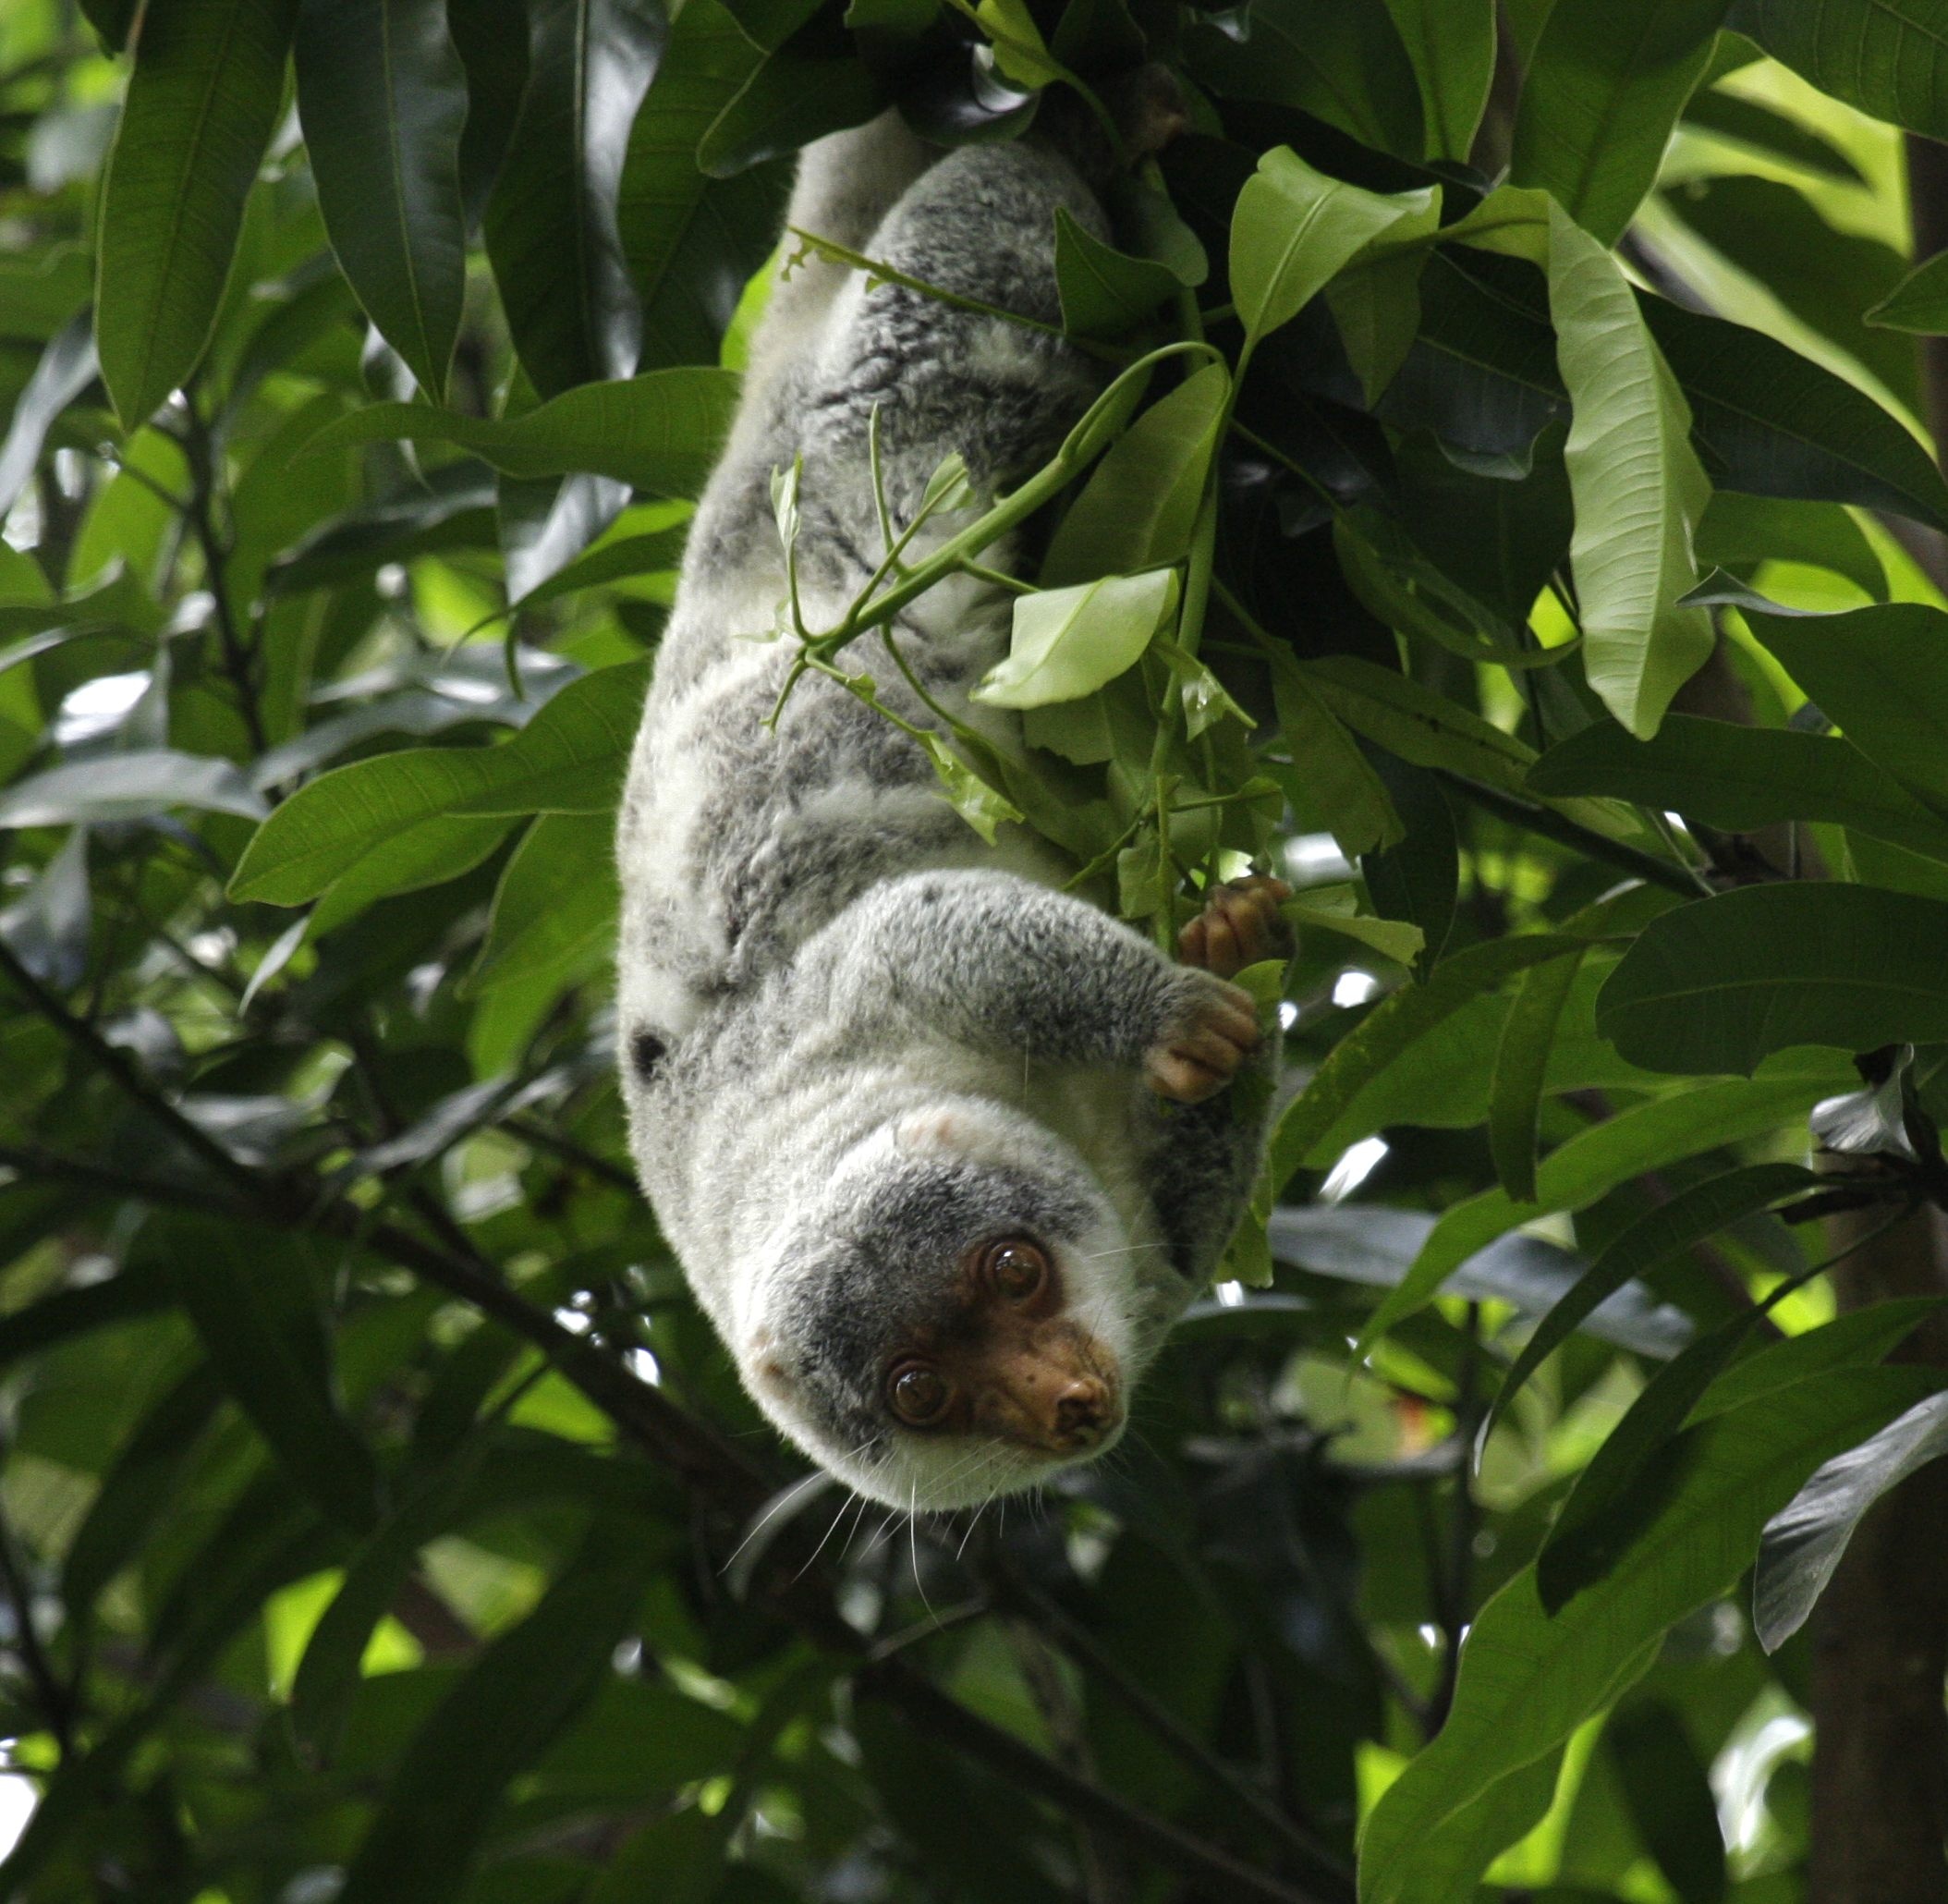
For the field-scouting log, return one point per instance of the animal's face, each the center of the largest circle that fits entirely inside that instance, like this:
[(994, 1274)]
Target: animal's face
[(960, 1318)]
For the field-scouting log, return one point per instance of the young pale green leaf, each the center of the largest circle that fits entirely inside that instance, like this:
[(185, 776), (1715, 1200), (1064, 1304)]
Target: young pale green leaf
[(1646, 1137), (1740, 779), (658, 432), (1639, 488), (557, 899), (570, 759), (1659, 1236), (1717, 985), (202, 101), (1521, 1069), (1067, 642), (1806, 1541), (986, 811), (1882, 55), (1294, 229), (128, 787), (549, 224), (1394, 1026), (1340, 780), (1104, 292), (382, 97), (1881, 673), (1600, 98), (1139, 507), (1528, 1680), (1452, 44), (246, 1291)]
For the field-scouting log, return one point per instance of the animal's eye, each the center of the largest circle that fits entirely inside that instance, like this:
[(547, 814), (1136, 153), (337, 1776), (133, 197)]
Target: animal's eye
[(918, 1393), (1017, 1269)]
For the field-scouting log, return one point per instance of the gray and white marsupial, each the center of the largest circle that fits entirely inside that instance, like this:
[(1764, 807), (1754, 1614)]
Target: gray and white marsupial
[(943, 1151)]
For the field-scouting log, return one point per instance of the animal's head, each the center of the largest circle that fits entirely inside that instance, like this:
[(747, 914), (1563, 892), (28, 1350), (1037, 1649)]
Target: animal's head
[(960, 1314)]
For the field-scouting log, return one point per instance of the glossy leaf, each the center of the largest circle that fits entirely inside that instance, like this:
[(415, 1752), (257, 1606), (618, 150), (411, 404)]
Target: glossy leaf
[(1294, 229), (1882, 55), (569, 760), (1452, 44), (658, 432), (1590, 1165), (690, 243), (1067, 642), (1104, 292), (1806, 1541), (383, 97), (1521, 1072), (1340, 780), (1601, 92), (1528, 1679), (1740, 779), (1141, 503), (550, 222), (202, 100), (129, 786), (556, 900), (65, 368), (1718, 986)]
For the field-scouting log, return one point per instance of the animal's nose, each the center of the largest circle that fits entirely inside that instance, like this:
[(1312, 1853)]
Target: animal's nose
[(1082, 1409)]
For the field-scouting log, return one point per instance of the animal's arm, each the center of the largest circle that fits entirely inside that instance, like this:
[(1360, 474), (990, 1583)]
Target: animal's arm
[(993, 961)]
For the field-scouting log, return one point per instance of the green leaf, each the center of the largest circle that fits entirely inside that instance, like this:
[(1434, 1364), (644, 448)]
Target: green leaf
[(1806, 1541), (1522, 1069), (1407, 718), (1294, 229), (1740, 779), (1629, 1474), (1104, 292), (570, 759), (1140, 504), (692, 243), (1452, 44), (64, 368), (557, 898), (1591, 1164), (129, 786), (658, 432), (1332, 908), (1670, 1798), (1340, 60), (550, 225), (1340, 780), (1745, 122), (1636, 483), (1882, 55), (788, 101), (1394, 1026), (1067, 642), (202, 101), (1770, 423), (1919, 302), (984, 809), (1881, 673), (382, 97), (1659, 1236), (1528, 1680), (1717, 985), (1601, 97), (1740, 533), (249, 1293), (512, 1702)]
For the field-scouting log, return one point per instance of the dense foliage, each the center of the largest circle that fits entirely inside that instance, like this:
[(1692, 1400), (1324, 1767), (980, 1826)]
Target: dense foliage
[(1511, 513)]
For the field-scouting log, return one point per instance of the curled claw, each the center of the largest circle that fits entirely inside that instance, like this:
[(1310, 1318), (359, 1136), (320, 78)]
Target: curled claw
[(1202, 1052)]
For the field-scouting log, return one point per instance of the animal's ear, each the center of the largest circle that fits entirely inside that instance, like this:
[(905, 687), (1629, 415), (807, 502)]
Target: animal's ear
[(767, 1368)]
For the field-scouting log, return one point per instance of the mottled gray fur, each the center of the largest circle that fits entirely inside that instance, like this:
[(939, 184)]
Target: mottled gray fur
[(858, 1040)]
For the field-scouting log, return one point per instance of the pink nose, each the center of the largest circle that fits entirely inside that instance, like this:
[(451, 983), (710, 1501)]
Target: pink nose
[(1082, 1411)]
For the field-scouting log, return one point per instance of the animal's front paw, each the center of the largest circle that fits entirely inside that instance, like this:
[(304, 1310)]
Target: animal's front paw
[(1212, 1032), (1240, 925)]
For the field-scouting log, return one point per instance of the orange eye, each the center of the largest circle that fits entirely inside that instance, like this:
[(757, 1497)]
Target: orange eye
[(1017, 1269), (918, 1394)]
